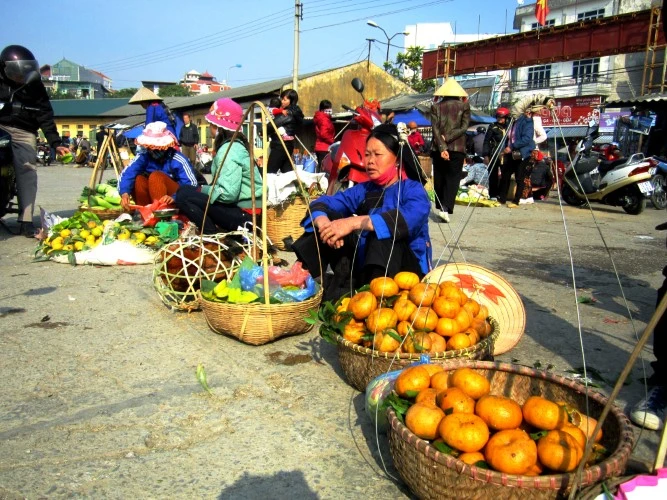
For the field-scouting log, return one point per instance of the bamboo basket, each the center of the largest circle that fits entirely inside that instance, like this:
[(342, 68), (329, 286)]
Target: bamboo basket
[(361, 364), (256, 323), (431, 474), (105, 214), (284, 221)]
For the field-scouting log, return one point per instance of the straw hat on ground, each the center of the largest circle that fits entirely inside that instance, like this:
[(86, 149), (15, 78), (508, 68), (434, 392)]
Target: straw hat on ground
[(144, 95), (156, 136), (450, 88)]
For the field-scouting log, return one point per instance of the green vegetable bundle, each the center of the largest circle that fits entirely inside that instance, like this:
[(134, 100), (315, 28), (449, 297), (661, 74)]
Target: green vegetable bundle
[(103, 197)]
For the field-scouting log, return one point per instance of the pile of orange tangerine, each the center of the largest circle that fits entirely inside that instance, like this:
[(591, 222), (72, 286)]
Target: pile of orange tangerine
[(405, 315), (482, 429)]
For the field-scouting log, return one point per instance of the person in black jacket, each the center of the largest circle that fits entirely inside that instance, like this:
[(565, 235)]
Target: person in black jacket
[(31, 111), (287, 123), (492, 139), (189, 139)]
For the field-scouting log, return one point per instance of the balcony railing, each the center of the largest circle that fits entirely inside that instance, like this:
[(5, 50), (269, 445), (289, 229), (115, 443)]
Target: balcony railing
[(551, 84)]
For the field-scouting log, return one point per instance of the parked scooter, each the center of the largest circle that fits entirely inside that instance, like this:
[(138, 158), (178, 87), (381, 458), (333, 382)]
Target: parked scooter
[(7, 176), (345, 162), (204, 160), (658, 172), (43, 154), (624, 182)]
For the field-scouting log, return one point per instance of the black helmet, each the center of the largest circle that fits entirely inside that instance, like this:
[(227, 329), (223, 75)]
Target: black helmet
[(481, 130), (16, 63)]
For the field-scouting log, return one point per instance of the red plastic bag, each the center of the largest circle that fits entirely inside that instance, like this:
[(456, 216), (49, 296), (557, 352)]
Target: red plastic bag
[(147, 212), (296, 276)]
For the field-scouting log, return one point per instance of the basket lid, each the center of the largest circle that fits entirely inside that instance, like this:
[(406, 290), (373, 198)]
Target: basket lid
[(491, 290)]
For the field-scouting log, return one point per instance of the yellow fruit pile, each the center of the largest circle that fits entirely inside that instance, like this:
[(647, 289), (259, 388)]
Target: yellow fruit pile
[(459, 415), (402, 314)]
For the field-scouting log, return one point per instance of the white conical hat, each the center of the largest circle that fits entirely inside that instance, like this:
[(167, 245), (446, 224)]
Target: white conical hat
[(451, 88), (143, 95)]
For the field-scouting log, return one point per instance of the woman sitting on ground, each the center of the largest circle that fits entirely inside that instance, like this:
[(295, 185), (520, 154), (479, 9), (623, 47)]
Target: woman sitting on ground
[(156, 173), (230, 196), (374, 228)]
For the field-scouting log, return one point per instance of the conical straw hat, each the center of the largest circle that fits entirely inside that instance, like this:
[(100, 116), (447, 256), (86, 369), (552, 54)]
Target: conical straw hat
[(451, 88), (491, 290), (143, 95)]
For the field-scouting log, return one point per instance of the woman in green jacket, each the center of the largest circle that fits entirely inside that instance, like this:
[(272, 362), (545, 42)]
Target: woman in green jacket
[(230, 197)]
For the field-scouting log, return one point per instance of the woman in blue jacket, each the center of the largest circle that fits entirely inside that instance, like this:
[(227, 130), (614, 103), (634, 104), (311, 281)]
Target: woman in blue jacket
[(156, 110), (375, 228), (521, 144)]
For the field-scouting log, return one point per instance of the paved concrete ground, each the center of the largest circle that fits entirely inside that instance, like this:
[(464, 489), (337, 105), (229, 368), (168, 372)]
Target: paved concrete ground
[(102, 401)]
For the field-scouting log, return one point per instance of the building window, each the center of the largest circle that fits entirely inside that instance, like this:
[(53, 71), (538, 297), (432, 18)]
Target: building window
[(586, 70), (65, 127), (79, 127), (549, 24), (539, 76), (590, 14)]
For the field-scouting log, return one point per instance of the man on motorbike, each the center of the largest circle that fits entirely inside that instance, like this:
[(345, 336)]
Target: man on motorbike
[(16, 64)]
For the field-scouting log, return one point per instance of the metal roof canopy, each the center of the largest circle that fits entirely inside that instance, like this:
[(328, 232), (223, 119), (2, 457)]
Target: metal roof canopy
[(621, 34), (646, 101)]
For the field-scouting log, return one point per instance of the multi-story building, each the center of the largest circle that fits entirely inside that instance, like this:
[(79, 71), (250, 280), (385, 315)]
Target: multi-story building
[(68, 77), (202, 83), (580, 85)]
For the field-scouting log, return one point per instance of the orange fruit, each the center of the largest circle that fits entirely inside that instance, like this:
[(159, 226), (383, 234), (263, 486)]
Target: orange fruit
[(474, 384), (446, 327), (587, 424), (458, 341), (342, 307), (424, 318), (384, 342), (423, 294), (453, 293), (464, 431), (417, 343), (404, 308), (544, 414), (472, 306), (444, 284), (445, 307), (578, 435), (438, 344), (412, 380), (511, 451), (383, 287), (423, 420), (535, 470), (463, 319), (406, 280), (381, 319), (440, 380), (483, 312), (403, 328), (499, 413), (559, 451), (454, 400), (471, 458), (426, 396), (432, 368), (362, 304), (354, 330), (472, 335), (479, 325)]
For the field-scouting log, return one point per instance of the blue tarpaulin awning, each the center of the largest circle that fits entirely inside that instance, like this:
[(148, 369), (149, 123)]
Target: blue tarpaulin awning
[(413, 115)]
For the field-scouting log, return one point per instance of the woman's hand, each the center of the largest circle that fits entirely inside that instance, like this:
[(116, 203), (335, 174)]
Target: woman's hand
[(167, 200), (125, 201), (334, 232), (445, 155)]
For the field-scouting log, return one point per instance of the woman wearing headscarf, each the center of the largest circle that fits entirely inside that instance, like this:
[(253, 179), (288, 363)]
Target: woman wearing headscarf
[(375, 228), (156, 173), (450, 117), (230, 204)]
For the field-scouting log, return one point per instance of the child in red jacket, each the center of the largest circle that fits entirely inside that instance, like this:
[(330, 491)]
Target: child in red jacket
[(324, 131)]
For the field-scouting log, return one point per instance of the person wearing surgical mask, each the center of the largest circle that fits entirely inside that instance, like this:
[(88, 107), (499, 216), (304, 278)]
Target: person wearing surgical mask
[(157, 172)]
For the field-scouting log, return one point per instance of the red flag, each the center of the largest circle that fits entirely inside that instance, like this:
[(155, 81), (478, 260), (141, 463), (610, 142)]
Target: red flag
[(541, 11)]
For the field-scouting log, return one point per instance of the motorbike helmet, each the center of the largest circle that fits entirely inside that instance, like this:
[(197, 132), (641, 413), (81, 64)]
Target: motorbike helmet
[(502, 113), (16, 63)]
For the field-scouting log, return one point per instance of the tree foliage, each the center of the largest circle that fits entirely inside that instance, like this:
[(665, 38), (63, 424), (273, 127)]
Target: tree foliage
[(410, 60), (175, 91), (129, 92)]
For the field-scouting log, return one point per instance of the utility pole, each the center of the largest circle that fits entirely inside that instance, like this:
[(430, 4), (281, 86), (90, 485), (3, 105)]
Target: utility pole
[(368, 58), (298, 15)]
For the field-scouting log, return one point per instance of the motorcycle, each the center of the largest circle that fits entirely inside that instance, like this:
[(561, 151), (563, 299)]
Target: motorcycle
[(624, 182), (8, 189), (658, 172), (44, 154), (344, 164), (204, 160)]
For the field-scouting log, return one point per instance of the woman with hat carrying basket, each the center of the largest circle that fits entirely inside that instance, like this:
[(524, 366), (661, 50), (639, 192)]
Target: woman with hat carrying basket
[(156, 110), (231, 195), (450, 117)]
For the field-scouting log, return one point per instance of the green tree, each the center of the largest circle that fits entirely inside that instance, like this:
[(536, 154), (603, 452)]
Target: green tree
[(54, 95), (129, 92), (412, 61), (175, 91)]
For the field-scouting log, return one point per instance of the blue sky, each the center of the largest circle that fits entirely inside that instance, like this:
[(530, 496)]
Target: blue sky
[(138, 40)]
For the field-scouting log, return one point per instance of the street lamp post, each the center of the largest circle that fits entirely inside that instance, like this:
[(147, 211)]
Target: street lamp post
[(231, 67), (389, 38)]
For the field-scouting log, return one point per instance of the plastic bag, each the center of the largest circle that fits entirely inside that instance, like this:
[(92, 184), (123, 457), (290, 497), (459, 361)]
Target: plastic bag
[(296, 276), (147, 212)]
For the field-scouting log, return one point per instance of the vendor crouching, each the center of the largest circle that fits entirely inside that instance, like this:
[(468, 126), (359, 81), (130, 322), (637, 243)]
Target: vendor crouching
[(376, 228), (158, 172)]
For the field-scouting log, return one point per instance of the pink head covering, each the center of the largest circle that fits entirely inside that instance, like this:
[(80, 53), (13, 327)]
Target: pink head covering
[(156, 136), (226, 114)]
